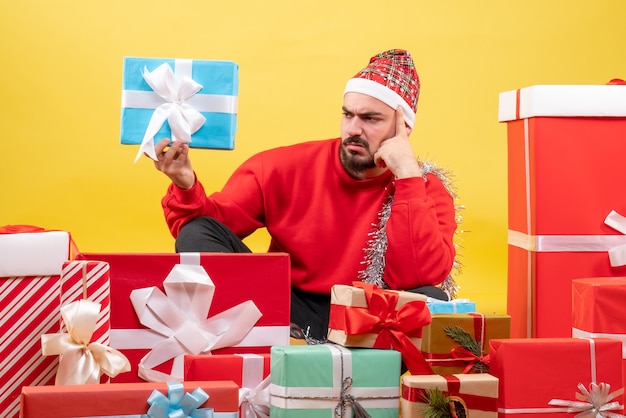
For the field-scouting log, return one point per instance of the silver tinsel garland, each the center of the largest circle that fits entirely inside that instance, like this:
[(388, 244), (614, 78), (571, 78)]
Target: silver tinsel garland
[(374, 258)]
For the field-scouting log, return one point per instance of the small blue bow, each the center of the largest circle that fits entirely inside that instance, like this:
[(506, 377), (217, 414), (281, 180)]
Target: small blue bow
[(178, 404)]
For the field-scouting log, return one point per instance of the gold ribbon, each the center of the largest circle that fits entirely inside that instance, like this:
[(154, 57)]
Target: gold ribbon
[(81, 361)]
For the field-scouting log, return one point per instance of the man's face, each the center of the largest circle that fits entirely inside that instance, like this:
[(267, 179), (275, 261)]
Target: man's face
[(365, 124)]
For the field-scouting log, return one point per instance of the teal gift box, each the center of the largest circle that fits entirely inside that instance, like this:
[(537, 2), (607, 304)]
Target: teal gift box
[(451, 307), (329, 380), (190, 100)]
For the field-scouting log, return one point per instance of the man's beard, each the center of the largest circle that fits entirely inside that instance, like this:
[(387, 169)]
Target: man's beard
[(352, 162)]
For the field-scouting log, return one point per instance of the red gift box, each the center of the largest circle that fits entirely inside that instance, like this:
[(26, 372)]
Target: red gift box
[(249, 371), (565, 152), (239, 278), (117, 399), (534, 371), (30, 263), (598, 310)]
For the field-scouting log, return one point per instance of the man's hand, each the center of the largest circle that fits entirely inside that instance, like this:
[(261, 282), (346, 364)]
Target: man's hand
[(175, 162), (396, 153)]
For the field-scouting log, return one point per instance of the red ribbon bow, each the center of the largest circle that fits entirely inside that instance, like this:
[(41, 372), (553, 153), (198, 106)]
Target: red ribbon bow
[(466, 355), (17, 229), (394, 327)]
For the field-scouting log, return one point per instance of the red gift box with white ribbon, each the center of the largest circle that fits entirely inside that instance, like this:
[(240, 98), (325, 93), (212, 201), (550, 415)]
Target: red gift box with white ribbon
[(598, 310), (250, 372), (565, 154), (544, 377), (164, 306)]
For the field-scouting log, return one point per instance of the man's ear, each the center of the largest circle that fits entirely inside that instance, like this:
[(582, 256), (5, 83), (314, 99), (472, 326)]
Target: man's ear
[(408, 130)]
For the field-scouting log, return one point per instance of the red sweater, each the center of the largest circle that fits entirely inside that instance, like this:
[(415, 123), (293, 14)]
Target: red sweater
[(321, 216)]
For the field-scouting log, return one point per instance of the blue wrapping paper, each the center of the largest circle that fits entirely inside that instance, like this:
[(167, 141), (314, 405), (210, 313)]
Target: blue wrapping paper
[(450, 307), (216, 101)]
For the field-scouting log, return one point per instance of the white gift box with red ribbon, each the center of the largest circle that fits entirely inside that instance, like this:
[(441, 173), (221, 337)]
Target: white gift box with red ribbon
[(31, 260)]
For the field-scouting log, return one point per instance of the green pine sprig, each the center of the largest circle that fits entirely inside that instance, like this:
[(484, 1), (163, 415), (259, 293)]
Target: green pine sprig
[(437, 402), (465, 340)]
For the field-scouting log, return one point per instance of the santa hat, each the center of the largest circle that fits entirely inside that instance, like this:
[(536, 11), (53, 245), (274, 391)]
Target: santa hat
[(391, 78)]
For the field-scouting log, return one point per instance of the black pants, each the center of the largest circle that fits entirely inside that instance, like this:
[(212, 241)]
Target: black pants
[(308, 310)]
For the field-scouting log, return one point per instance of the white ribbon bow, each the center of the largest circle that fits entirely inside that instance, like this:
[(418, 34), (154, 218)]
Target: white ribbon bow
[(183, 119), (181, 318), (255, 402), (82, 362), (617, 255), (593, 403)]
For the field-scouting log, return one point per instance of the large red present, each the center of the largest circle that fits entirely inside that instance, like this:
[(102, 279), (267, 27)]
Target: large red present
[(239, 282), (134, 399), (31, 259), (598, 309), (250, 371), (565, 154), (542, 377)]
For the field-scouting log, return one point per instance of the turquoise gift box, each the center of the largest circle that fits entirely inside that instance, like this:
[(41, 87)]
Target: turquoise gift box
[(328, 380), (171, 97), (450, 307)]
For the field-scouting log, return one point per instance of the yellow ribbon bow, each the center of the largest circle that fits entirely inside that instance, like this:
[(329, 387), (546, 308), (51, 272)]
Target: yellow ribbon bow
[(81, 361)]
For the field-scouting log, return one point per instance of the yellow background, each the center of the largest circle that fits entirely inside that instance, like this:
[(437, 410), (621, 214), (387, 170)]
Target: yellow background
[(62, 166)]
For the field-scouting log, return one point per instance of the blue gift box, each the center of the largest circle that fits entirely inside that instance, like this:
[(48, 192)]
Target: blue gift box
[(451, 307), (216, 98)]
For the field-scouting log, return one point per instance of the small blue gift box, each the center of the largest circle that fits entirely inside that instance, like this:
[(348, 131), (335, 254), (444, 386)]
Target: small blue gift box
[(450, 307), (190, 100)]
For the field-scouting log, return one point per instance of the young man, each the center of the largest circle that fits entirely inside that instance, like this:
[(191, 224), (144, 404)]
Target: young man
[(359, 207)]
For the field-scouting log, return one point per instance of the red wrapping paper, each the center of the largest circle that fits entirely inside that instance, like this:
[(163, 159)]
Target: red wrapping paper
[(551, 160), (223, 367), (247, 370), (598, 309), (262, 278), (114, 399), (533, 371)]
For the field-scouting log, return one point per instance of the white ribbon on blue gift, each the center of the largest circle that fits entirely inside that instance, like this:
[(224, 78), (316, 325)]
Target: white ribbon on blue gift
[(175, 99)]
